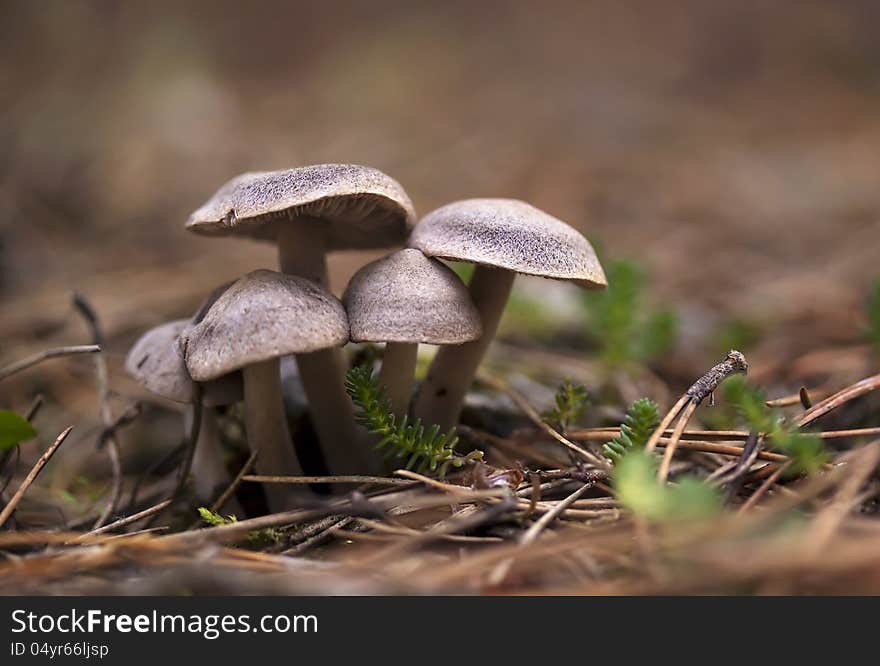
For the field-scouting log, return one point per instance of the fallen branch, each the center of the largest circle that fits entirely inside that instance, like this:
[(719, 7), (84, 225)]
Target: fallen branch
[(735, 363)]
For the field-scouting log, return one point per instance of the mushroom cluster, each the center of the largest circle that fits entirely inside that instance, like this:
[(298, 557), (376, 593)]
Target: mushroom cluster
[(231, 350)]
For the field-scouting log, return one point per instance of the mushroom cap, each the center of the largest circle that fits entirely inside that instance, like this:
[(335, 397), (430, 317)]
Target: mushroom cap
[(155, 362), (509, 234), (263, 315), (407, 297), (355, 207)]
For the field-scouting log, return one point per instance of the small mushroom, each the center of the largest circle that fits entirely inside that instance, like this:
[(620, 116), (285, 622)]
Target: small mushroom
[(309, 211), (502, 237), (263, 316), (402, 300), (155, 362)]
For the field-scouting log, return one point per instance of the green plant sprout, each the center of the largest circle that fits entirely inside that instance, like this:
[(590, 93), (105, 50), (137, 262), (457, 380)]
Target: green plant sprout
[(618, 319), (805, 449), (636, 487), (641, 419), (257, 538), (215, 519), (569, 403), (424, 450)]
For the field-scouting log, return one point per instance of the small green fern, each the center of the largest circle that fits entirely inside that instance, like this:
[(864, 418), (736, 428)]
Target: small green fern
[(806, 450), (617, 318), (570, 402), (424, 450), (642, 418)]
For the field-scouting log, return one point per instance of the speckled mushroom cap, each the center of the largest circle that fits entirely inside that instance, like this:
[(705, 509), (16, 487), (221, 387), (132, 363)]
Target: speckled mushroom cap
[(261, 316), (509, 234), (155, 362), (356, 207), (407, 297)]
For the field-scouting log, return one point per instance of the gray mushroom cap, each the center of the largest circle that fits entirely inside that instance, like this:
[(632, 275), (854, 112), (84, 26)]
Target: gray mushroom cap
[(263, 315), (509, 234), (155, 362), (408, 297), (355, 207)]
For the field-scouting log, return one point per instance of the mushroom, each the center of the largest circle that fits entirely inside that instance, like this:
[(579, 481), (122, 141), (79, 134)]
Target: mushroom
[(309, 211), (263, 316), (502, 237), (156, 364), (402, 300)]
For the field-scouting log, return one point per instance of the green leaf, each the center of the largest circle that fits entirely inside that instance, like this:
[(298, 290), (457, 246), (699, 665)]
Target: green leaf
[(691, 499), (14, 430), (635, 483)]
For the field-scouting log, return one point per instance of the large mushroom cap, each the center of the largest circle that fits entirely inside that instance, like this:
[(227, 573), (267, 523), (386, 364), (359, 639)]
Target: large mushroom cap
[(355, 207), (509, 234), (261, 316), (155, 362), (407, 297)]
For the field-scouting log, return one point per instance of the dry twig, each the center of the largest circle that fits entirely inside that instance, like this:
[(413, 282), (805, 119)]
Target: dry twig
[(108, 435), (29, 479), (39, 357)]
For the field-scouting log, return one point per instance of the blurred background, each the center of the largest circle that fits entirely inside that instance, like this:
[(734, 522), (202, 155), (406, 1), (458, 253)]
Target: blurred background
[(730, 150)]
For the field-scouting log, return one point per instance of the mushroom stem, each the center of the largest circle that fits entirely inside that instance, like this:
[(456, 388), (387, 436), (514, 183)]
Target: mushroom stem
[(267, 431), (302, 250), (452, 371), (396, 375), (209, 469), (332, 414)]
